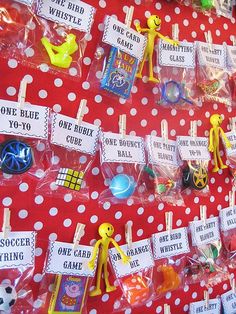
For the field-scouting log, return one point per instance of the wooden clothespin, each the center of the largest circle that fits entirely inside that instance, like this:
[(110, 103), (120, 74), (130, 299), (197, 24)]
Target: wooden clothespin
[(233, 40), (79, 232), (175, 32), (81, 110), (232, 284), (166, 309), (206, 298), (193, 128), (129, 16), (164, 130), (232, 122), (128, 234), (22, 92), (169, 221), (208, 37), (122, 125), (6, 227), (232, 198), (203, 214)]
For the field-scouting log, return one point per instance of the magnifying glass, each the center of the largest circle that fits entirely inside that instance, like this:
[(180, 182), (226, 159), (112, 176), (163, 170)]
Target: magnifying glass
[(172, 92)]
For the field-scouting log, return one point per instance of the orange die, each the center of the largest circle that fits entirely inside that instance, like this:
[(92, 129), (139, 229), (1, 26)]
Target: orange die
[(136, 289)]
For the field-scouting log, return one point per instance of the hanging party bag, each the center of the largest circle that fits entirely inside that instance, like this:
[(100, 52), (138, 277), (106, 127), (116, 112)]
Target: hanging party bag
[(135, 278), (66, 268), (163, 168), (17, 253), (169, 249), (23, 139), (122, 162), (116, 58), (74, 145), (212, 77)]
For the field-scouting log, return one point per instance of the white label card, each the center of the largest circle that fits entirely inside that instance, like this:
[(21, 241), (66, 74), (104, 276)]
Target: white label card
[(228, 218), (162, 151), (166, 244), (17, 250), (127, 149), (211, 55), (193, 148), (27, 121), (27, 2), (231, 136), (140, 254), (66, 132), (118, 35), (74, 13), (63, 260), (205, 233), (181, 56), (229, 302), (231, 56), (200, 307)]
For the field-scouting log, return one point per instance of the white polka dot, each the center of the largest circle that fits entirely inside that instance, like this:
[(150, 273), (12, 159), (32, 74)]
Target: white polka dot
[(23, 213), (118, 215), (43, 93), (186, 307), (39, 199), (178, 222), (196, 200), (94, 195), (72, 96), (58, 82), (143, 123), (83, 159), (73, 71), (12, 63), (177, 10), (144, 101), (37, 277), (186, 22), (140, 232), (98, 99), (110, 111), (150, 219), (53, 237), (173, 112), (38, 225), (187, 211), (29, 52), (56, 108), (158, 309), (44, 67), (161, 206), (81, 209), (7, 201), (194, 295), (68, 197), (86, 85), (67, 222), (38, 251), (133, 112), (11, 91), (95, 171), (117, 237), (37, 303), (168, 295), (40, 146), (177, 301), (102, 4), (140, 211), (23, 187), (53, 211), (87, 61), (94, 219), (105, 297), (167, 18)]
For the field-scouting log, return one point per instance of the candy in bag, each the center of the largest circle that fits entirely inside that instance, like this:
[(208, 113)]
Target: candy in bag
[(74, 146)]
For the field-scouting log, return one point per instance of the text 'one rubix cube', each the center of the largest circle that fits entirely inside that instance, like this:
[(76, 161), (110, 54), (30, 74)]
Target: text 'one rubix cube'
[(70, 178)]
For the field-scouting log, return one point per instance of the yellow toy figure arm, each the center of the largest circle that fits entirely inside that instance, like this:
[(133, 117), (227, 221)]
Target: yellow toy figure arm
[(211, 147), (227, 142), (91, 263), (125, 258), (171, 41), (141, 30)]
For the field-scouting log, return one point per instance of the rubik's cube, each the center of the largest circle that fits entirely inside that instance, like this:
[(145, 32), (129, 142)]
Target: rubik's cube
[(70, 178)]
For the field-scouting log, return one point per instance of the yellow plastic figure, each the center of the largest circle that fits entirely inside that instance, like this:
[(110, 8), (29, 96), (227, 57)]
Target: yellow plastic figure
[(153, 22), (214, 141), (105, 230), (61, 57)]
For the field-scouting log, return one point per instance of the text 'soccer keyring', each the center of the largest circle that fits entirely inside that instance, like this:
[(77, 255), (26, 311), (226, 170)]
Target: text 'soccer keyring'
[(172, 92)]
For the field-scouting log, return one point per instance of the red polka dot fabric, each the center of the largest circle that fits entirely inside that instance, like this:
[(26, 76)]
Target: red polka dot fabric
[(56, 219)]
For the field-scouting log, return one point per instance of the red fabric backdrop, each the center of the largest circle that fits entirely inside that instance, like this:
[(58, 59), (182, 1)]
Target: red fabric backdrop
[(57, 219)]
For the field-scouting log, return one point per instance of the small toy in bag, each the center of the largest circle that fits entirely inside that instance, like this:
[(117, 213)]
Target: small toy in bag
[(74, 145), (213, 80), (194, 151), (23, 139), (67, 269), (17, 267), (135, 277), (177, 74), (164, 167), (60, 36), (116, 58), (228, 230), (122, 162), (154, 25), (214, 141), (206, 240), (169, 248), (105, 231)]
